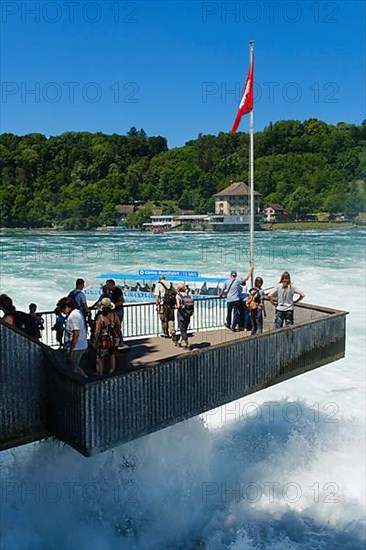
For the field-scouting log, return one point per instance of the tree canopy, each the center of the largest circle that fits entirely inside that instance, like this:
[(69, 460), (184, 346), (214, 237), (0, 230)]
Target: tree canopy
[(76, 179)]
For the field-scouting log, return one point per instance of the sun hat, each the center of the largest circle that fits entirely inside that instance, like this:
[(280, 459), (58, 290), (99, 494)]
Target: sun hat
[(105, 303)]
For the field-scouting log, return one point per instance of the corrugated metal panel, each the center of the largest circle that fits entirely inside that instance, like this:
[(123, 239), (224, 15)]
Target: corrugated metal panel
[(22, 386), (128, 406), (95, 416)]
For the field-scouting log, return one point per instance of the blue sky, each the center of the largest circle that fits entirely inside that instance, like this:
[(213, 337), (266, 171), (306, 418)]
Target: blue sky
[(177, 68)]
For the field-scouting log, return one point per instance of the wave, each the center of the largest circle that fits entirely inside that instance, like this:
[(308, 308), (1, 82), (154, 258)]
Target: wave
[(267, 484)]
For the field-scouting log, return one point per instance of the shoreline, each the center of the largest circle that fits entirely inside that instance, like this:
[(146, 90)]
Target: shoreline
[(301, 226), (292, 226), (276, 227)]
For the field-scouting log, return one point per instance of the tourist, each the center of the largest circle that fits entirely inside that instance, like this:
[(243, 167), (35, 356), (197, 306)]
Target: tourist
[(165, 298), (75, 341), (232, 289), (18, 319), (80, 299), (282, 297), (59, 326), (256, 307), (204, 289), (6, 305), (37, 321), (244, 322), (184, 305), (115, 294), (106, 336)]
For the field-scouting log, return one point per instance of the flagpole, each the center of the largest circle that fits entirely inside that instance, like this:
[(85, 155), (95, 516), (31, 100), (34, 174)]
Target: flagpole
[(251, 172)]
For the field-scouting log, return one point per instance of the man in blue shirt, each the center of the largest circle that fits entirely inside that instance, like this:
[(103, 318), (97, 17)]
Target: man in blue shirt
[(79, 298), (232, 289)]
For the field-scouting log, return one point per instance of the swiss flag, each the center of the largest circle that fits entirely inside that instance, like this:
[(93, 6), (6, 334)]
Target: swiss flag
[(246, 104)]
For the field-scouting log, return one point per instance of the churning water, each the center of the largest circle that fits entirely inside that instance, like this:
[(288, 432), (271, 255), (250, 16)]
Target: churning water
[(281, 469)]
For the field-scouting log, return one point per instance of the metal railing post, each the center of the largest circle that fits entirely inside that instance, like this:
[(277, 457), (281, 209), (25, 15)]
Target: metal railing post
[(142, 320)]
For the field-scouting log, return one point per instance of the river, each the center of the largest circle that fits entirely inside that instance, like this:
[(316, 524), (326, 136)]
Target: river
[(281, 469)]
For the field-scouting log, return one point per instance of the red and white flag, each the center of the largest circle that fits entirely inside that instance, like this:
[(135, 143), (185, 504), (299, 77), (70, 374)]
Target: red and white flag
[(246, 104)]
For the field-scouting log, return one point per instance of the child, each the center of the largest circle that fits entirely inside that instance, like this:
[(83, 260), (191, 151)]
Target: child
[(37, 321), (59, 326), (256, 307)]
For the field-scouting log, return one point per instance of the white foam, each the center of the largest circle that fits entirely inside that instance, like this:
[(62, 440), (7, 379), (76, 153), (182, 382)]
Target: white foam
[(183, 487)]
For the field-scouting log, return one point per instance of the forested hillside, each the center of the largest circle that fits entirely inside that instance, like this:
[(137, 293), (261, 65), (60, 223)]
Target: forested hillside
[(75, 180)]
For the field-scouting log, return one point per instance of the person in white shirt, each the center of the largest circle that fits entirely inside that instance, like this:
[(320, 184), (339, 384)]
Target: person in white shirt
[(282, 297), (75, 337)]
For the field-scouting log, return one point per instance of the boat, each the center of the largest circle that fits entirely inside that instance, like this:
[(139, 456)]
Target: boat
[(137, 286)]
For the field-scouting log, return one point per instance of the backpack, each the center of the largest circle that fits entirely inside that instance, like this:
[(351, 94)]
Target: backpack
[(109, 336), (186, 305), (24, 322), (169, 298), (254, 299), (40, 322), (73, 295)]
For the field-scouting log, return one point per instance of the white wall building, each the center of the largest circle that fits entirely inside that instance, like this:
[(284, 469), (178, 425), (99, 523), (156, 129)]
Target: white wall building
[(234, 200)]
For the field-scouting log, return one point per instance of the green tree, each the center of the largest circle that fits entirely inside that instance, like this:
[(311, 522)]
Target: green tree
[(76, 179), (301, 201), (140, 216)]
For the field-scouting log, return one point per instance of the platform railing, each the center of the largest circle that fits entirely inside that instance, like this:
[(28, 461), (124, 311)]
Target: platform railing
[(39, 398), (142, 319)]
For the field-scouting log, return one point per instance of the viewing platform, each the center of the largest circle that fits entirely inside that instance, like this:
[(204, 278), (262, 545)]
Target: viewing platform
[(155, 384)]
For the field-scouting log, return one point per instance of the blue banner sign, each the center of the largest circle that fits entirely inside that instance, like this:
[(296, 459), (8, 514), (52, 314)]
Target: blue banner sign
[(93, 292), (167, 273), (132, 296)]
